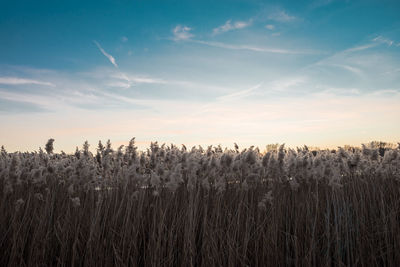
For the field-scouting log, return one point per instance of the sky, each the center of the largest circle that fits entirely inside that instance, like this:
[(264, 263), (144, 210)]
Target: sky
[(323, 73)]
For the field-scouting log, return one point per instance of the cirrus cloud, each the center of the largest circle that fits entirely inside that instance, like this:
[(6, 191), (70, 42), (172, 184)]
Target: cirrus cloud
[(229, 26), (110, 57), (21, 81), (181, 32), (281, 16)]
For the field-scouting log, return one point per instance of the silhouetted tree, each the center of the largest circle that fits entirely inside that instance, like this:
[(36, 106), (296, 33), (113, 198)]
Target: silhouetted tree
[(49, 146), (108, 147), (77, 153), (86, 148)]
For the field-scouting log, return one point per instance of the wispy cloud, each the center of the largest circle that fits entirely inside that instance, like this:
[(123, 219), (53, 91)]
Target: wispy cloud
[(338, 91), (126, 80), (253, 48), (337, 61), (270, 27), (368, 60), (352, 69), (288, 83), (383, 40), (384, 92), (373, 43), (281, 16), (20, 81), (110, 57), (129, 80), (229, 26), (340, 57), (182, 33), (120, 84), (360, 48), (239, 94), (43, 102)]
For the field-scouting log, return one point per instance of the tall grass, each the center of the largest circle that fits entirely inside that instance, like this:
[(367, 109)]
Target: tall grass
[(174, 207)]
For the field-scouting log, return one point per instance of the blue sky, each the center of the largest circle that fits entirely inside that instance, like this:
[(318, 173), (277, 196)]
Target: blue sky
[(323, 72)]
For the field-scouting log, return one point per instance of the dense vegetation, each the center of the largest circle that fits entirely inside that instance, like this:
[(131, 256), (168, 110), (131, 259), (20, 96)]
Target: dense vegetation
[(171, 206)]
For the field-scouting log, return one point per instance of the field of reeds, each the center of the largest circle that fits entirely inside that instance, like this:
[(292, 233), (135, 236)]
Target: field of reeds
[(171, 206)]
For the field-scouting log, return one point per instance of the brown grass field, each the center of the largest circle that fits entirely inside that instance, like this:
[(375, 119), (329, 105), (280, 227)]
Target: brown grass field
[(172, 206)]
